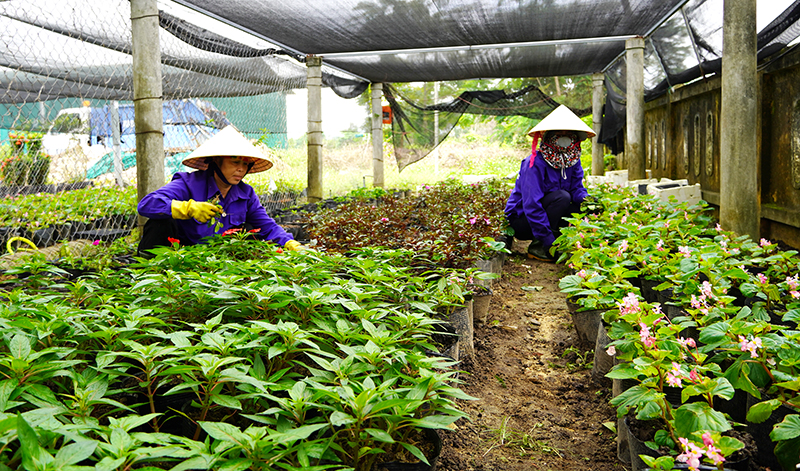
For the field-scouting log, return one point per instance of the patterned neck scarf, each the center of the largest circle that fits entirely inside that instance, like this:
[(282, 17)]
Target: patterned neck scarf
[(558, 157)]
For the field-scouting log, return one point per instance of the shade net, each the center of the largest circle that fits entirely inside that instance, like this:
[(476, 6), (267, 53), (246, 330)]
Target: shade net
[(686, 47), (347, 26), (417, 130)]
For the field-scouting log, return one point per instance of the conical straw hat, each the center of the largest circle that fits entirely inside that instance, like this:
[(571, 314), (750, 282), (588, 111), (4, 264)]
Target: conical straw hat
[(562, 119), (228, 142)]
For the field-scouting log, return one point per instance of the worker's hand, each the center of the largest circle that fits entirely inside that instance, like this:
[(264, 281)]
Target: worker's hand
[(293, 245), (199, 210)]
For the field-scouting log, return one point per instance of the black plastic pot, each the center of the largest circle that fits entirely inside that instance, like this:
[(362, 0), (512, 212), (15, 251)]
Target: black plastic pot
[(648, 289), (586, 324), (603, 362), (431, 436), (637, 447), (761, 431)]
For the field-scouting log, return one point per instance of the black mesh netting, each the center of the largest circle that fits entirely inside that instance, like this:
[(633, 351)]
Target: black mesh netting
[(414, 127), (686, 47)]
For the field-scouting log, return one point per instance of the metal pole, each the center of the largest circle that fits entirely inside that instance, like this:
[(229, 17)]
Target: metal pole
[(147, 97), (117, 144), (314, 85), (598, 164), (634, 134), (436, 128), (740, 197), (377, 136)]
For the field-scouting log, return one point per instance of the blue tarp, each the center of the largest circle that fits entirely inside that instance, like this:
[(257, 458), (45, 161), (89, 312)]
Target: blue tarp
[(187, 124)]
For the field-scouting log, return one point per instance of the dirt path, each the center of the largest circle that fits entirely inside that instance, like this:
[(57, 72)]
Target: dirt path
[(537, 407)]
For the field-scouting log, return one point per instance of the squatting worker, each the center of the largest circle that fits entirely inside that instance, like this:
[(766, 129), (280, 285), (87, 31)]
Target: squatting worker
[(213, 199), (550, 182)]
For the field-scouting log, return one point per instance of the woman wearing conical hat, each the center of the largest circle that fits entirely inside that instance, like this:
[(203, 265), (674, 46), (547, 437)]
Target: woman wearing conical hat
[(183, 208), (550, 182)]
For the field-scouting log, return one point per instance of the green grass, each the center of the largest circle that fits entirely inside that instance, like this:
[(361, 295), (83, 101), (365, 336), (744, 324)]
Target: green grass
[(346, 168)]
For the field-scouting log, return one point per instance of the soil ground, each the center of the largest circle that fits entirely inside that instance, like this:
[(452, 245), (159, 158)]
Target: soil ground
[(537, 406)]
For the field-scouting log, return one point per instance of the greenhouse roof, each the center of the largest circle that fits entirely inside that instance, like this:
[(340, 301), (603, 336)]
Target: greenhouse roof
[(211, 48), (433, 40)]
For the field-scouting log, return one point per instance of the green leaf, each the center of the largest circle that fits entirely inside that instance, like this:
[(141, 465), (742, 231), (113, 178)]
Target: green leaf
[(224, 431), (226, 401), (19, 347), (699, 416), (786, 430), (75, 452), (33, 455), (761, 411), (339, 418), (299, 433), (787, 453), (715, 333), (236, 464), (633, 398), (416, 452), (380, 435)]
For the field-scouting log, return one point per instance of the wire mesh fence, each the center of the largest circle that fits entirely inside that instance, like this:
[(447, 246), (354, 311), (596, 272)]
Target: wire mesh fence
[(67, 135)]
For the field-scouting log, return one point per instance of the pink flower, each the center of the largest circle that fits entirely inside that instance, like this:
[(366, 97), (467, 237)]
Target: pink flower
[(795, 294), (622, 247), (685, 251), (764, 243), (629, 304), (718, 228), (762, 279), (707, 440), (644, 331), (96, 242), (705, 289), (674, 381), (582, 274), (660, 246), (690, 343), (793, 282), (384, 219), (713, 455), (694, 376), (473, 220), (611, 351)]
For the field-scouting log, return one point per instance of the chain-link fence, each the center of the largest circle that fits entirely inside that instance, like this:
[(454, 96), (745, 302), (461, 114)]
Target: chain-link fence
[(67, 138)]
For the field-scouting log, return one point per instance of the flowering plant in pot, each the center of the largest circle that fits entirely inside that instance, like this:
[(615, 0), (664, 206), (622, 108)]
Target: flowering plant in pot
[(655, 357)]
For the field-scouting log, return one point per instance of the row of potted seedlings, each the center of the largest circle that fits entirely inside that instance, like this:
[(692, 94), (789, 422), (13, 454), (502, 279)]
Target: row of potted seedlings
[(697, 327), (228, 356), (236, 355)]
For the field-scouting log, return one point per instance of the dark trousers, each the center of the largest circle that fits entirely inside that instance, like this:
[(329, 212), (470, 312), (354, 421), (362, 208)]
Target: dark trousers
[(156, 233), (558, 205)]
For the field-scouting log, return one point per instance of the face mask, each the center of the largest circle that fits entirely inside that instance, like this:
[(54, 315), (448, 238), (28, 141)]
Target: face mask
[(564, 141)]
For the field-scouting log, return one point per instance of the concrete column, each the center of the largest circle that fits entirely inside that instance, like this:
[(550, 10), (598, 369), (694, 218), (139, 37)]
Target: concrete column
[(147, 98), (377, 136), (314, 136), (598, 165), (634, 131), (740, 197)]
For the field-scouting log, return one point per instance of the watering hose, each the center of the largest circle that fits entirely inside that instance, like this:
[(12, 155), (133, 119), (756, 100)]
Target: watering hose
[(20, 239)]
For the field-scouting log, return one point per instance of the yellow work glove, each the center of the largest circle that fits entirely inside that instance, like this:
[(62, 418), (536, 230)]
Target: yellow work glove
[(293, 245), (199, 210)]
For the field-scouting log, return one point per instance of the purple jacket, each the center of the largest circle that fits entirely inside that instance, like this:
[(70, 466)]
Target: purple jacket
[(535, 182), (241, 205)]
